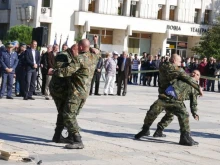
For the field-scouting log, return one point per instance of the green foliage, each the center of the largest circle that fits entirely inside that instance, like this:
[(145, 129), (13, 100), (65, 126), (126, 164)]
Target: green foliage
[(20, 33), (78, 37), (209, 45)]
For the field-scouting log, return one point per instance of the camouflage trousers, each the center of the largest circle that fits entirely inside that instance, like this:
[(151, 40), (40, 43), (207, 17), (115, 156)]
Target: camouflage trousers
[(68, 108), (172, 108)]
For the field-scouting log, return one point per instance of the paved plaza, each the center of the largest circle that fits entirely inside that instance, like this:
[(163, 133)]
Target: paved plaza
[(108, 125)]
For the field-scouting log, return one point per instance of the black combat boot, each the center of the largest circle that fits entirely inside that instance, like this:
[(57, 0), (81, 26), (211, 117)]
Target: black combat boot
[(159, 132), (194, 142), (144, 132), (57, 134), (186, 139), (77, 144)]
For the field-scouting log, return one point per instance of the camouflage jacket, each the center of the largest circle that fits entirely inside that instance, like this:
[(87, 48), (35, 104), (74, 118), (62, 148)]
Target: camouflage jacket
[(79, 69), (169, 72), (186, 92)]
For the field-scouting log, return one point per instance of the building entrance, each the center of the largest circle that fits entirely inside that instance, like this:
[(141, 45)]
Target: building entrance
[(177, 44)]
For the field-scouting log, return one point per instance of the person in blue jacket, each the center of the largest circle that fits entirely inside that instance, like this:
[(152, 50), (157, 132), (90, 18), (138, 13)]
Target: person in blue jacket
[(9, 61)]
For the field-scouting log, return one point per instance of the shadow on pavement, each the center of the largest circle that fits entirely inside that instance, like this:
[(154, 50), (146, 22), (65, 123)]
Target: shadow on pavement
[(156, 140), (196, 134), (25, 139), (131, 136), (109, 134)]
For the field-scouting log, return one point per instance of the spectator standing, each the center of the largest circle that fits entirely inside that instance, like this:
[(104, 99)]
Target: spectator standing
[(32, 58), (150, 66), (2, 48), (9, 61), (44, 67), (124, 72), (217, 73), (143, 68), (110, 68), (64, 47), (131, 76), (157, 64), (135, 68), (201, 68), (96, 77), (187, 67), (50, 65), (210, 70), (20, 71)]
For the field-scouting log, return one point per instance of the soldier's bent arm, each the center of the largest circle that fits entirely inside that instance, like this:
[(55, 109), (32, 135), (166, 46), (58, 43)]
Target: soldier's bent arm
[(179, 73), (68, 70), (193, 102)]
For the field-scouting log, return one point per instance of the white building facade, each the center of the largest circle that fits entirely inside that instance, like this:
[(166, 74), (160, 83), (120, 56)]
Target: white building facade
[(152, 26)]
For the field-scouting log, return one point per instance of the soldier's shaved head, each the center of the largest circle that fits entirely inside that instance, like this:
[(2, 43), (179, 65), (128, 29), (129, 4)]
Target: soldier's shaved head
[(84, 45), (175, 59)]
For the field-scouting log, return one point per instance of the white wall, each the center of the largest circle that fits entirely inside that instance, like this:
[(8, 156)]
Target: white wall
[(19, 3), (63, 20)]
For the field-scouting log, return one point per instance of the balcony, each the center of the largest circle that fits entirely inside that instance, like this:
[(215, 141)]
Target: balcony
[(5, 16), (46, 15), (130, 24)]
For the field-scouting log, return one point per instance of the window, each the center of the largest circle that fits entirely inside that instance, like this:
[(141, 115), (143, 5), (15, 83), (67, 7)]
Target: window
[(46, 3), (207, 17), (160, 12), (92, 6), (105, 36), (172, 13), (139, 42), (133, 8), (133, 46), (196, 16), (120, 8)]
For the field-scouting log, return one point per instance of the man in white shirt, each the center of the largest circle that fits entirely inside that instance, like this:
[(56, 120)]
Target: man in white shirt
[(32, 58)]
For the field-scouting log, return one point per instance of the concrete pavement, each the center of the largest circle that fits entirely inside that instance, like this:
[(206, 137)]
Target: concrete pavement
[(108, 125)]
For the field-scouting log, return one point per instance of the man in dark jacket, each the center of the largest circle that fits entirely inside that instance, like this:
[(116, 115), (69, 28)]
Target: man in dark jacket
[(124, 72), (96, 77), (44, 67), (210, 70), (32, 58)]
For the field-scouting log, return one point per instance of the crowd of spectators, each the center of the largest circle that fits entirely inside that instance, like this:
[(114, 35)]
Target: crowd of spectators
[(22, 63)]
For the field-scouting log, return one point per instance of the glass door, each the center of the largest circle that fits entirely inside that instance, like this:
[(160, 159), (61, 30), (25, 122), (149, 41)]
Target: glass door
[(182, 52)]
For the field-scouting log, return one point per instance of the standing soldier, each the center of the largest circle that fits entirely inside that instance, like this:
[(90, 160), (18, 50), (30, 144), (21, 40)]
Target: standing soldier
[(75, 73), (168, 73), (9, 61)]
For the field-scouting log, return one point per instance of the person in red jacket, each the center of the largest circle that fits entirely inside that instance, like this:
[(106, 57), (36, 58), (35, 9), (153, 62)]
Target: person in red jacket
[(201, 68)]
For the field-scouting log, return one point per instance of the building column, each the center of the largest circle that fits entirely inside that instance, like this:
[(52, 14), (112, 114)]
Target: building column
[(120, 40), (85, 5), (166, 11), (192, 41), (158, 43), (202, 15), (127, 7)]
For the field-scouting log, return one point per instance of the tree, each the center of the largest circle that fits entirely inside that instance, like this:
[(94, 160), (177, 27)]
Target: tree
[(20, 33), (78, 37)]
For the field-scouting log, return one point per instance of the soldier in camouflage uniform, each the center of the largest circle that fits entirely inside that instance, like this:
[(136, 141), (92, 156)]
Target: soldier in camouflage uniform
[(77, 73), (168, 73), (181, 91)]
